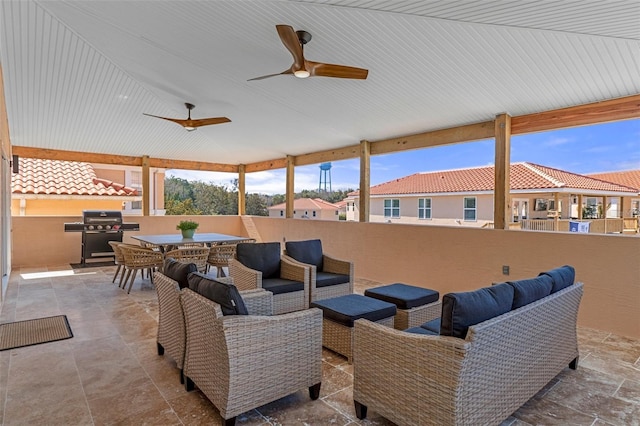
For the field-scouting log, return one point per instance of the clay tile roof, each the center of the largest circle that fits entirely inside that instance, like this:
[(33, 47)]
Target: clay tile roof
[(307, 204), (55, 177), (523, 176), (630, 178)]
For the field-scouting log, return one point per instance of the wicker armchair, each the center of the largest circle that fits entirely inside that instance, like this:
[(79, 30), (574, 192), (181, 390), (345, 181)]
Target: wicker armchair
[(242, 362), (197, 255), (259, 265), (171, 327), (139, 259), (328, 277)]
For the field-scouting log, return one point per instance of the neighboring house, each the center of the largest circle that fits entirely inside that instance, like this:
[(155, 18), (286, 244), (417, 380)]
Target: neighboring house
[(465, 196), (54, 187), (630, 178), (307, 208), (342, 208)]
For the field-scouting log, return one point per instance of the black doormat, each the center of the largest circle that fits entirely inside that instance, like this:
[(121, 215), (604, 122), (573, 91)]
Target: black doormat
[(34, 332), (92, 264)]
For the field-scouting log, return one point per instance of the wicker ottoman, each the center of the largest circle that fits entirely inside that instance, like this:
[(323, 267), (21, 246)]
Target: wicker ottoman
[(416, 305), (339, 313)]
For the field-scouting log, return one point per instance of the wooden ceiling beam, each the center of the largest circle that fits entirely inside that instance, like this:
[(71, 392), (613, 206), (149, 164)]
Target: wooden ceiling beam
[(90, 157), (595, 113), (279, 163)]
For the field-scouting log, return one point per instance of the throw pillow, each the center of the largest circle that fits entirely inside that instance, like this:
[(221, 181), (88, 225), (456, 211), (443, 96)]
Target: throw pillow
[(225, 295), (562, 277), (462, 310), (530, 290), (178, 271)]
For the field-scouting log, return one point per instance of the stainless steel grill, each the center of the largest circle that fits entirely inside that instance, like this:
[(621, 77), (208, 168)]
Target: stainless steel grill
[(98, 227)]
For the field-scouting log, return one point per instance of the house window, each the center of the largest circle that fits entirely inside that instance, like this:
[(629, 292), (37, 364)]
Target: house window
[(314, 213), (424, 208), (281, 212), (469, 209), (392, 207), (136, 183)]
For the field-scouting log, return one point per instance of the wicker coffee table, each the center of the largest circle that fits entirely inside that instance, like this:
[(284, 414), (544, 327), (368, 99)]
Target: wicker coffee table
[(416, 305), (339, 313)]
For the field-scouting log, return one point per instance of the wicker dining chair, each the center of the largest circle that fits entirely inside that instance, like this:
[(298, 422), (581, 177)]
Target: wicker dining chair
[(139, 259), (220, 255), (197, 255), (118, 259)]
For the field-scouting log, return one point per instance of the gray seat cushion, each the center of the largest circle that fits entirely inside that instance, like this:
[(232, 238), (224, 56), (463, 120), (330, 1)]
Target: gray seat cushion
[(461, 310), (263, 257), (562, 277), (346, 309), (225, 295), (530, 290), (178, 271), (281, 285), (326, 279), (308, 251), (403, 296)]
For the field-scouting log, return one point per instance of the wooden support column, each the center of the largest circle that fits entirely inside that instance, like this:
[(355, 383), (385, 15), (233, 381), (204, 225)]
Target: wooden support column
[(501, 197), (365, 180), (146, 191), (624, 206), (604, 213), (242, 199), (580, 206), (290, 194), (556, 204)]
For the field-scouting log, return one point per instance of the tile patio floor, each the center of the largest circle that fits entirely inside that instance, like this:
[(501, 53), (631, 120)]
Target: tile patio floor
[(110, 373)]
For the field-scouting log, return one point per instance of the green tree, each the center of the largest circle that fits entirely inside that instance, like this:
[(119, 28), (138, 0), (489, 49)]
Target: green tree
[(180, 207), (256, 205)]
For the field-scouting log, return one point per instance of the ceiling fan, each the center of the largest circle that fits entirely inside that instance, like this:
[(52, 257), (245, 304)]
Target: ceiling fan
[(190, 124), (294, 41)]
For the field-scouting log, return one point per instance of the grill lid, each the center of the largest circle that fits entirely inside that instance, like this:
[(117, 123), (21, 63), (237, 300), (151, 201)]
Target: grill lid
[(102, 216)]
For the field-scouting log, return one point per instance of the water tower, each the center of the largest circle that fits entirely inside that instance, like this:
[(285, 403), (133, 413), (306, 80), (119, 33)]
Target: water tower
[(325, 177)]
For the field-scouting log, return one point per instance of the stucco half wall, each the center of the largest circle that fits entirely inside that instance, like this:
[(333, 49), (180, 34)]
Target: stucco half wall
[(443, 258)]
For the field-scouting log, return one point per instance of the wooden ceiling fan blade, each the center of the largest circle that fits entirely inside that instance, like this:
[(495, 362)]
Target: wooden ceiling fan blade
[(290, 40), (206, 121), (271, 75), (319, 69), (175, 120)]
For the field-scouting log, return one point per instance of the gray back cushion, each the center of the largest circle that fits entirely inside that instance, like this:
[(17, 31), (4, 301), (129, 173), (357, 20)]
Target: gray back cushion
[(178, 271), (562, 277), (530, 290), (309, 251), (462, 310), (263, 257), (225, 295)]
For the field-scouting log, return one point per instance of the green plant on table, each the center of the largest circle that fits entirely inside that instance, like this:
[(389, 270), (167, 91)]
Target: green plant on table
[(187, 224)]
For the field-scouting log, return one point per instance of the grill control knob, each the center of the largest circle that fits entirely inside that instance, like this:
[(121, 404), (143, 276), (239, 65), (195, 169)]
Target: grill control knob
[(107, 227), (99, 226), (90, 227)]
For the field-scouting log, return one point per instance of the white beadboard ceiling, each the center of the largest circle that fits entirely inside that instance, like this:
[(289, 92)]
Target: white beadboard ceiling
[(79, 74)]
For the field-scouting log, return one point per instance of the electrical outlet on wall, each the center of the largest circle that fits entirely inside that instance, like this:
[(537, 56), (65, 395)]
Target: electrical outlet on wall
[(505, 270)]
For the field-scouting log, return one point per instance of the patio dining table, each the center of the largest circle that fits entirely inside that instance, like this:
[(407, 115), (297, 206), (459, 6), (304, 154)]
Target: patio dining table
[(167, 241)]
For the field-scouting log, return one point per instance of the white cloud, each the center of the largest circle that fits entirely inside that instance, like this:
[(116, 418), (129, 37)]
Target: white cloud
[(557, 141)]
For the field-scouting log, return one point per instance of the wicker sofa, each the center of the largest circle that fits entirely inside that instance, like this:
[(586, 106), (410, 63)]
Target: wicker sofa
[(481, 378)]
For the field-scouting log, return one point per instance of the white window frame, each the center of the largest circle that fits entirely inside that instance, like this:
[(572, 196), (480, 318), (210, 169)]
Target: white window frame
[(391, 209), (424, 209), (473, 209)]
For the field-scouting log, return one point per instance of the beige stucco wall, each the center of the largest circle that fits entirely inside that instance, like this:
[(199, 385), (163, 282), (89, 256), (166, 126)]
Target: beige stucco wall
[(109, 174), (459, 259), (61, 207), (443, 258)]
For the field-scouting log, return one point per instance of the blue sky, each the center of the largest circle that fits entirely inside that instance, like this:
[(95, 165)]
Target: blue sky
[(587, 149)]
